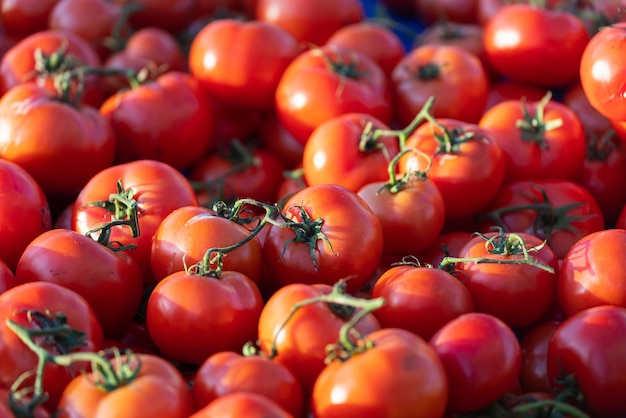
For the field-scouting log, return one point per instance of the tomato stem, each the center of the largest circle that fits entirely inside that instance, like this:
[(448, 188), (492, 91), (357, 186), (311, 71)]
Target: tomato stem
[(123, 206), (533, 127), (554, 405)]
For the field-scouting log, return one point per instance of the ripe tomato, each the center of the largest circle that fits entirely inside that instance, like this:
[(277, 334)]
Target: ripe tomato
[(335, 236), (338, 153), (6, 408), (299, 341), (24, 211), (156, 189), (185, 235), (20, 304), (180, 115), (310, 22), (163, 14), (601, 71), (400, 375), (420, 299), (110, 281), (277, 140), (446, 244), (482, 359), (60, 144), (329, 81), (240, 404), (621, 219), (25, 17), (7, 278), (535, 45), (157, 389), (229, 372), (542, 139), (517, 294), (591, 274), (503, 90), (534, 345), (455, 77), (588, 346), (240, 63), (464, 11), (218, 313)]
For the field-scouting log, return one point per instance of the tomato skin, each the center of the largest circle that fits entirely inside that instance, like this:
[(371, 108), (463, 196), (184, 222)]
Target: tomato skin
[(25, 17), (333, 153), (180, 115), (353, 230), (311, 92), (598, 334), (111, 282), (158, 190), (242, 404), (482, 359), (420, 299), (503, 90), (62, 157), (7, 278), (621, 219), (591, 274), (310, 22), (446, 244), (24, 211), (400, 376), (163, 14), (228, 307), (229, 372), (16, 358), (534, 345), (240, 63), (301, 341), (535, 45), (601, 71), (431, 12), (185, 235), (159, 389)]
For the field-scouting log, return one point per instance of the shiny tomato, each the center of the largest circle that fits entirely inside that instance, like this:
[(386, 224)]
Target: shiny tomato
[(277, 140), (240, 404), (25, 17), (7, 278), (534, 345)]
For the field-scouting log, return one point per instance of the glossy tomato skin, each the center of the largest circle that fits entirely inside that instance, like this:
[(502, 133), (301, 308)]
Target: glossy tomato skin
[(228, 307), (185, 235), (157, 188), (24, 211), (482, 359), (163, 14), (420, 299), (240, 404), (534, 345), (62, 146), (601, 70), (110, 281), (590, 274), (23, 18), (311, 91), (310, 22), (354, 234), (401, 375), (535, 45), (300, 342), (16, 358), (159, 389), (180, 115), (335, 154), (621, 219), (598, 334), (229, 372), (455, 77), (240, 63)]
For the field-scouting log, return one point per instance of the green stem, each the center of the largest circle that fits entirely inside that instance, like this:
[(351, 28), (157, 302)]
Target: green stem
[(565, 408)]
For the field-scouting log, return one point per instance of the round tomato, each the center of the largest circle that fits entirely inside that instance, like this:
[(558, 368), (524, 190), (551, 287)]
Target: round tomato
[(240, 404), (25, 17)]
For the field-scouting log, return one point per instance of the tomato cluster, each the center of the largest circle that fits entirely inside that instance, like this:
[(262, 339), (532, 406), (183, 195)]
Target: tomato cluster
[(312, 208)]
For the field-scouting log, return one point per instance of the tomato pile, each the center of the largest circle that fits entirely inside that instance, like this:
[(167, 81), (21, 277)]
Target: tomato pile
[(313, 208)]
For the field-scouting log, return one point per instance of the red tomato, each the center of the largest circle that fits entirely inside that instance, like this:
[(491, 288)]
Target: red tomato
[(601, 71), (6, 410), (24, 212), (156, 189), (326, 82), (240, 63), (60, 144), (420, 299), (180, 115), (310, 22), (591, 273), (242, 404), (335, 236), (185, 235), (157, 389), (7, 278), (588, 346), (539, 140), (110, 281), (299, 341), (218, 313), (401, 375), (25, 17), (227, 372), (535, 45), (163, 14), (503, 90), (339, 152), (482, 359), (446, 244), (621, 219), (277, 140), (534, 345), (48, 299), (455, 77), (464, 11)]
